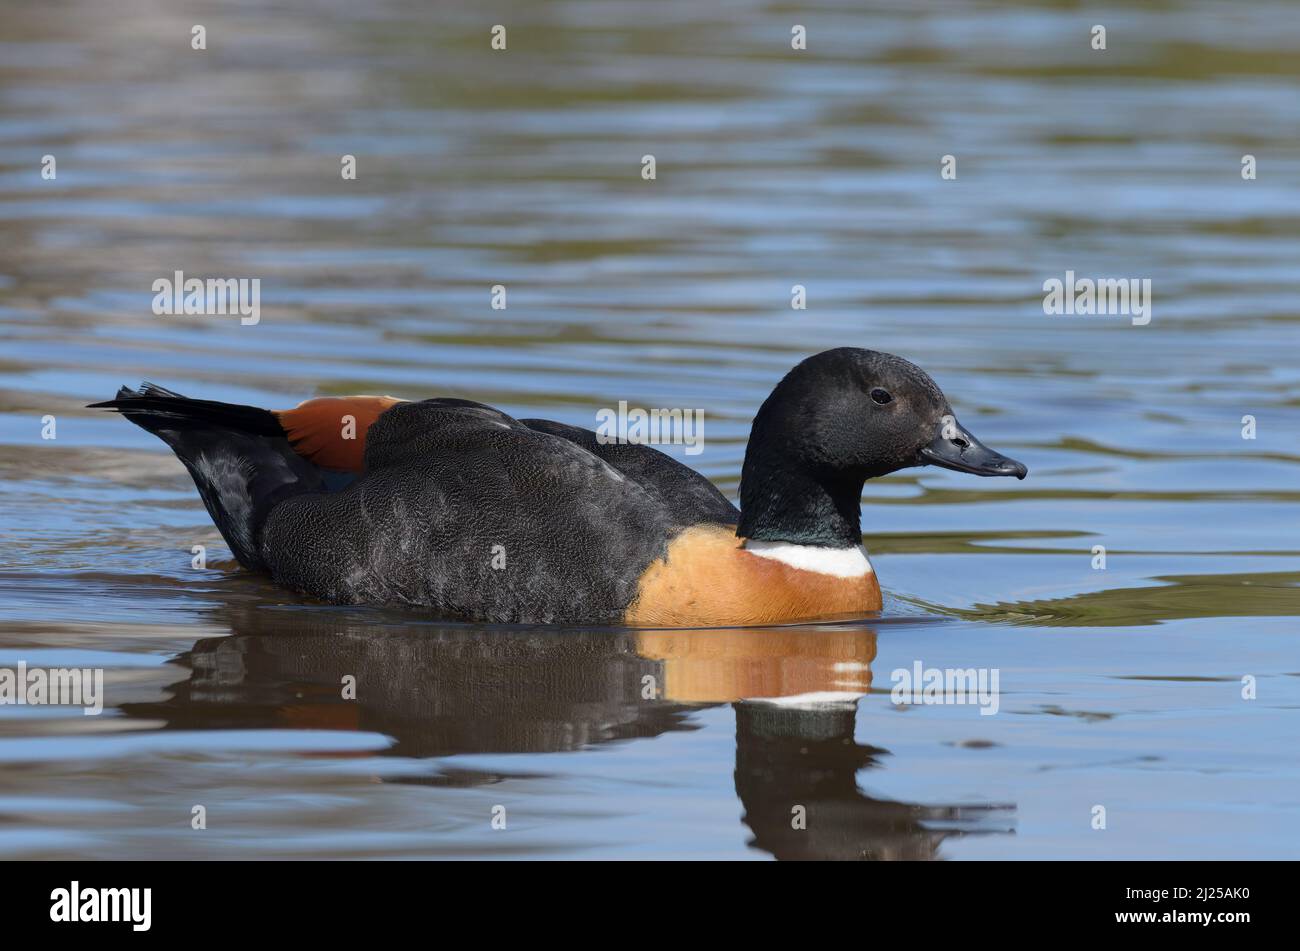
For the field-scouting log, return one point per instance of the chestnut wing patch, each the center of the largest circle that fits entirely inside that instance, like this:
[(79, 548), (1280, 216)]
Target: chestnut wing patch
[(331, 430)]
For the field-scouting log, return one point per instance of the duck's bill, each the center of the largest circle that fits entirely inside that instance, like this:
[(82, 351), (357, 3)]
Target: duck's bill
[(955, 448)]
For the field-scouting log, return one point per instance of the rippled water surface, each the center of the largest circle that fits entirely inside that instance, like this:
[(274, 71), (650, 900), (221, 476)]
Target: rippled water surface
[(1120, 687)]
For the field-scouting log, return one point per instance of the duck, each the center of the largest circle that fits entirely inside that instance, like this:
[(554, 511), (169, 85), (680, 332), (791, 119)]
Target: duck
[(457, 508)]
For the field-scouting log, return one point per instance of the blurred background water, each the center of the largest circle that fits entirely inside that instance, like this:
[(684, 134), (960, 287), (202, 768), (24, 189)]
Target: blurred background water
[(1120, 687)]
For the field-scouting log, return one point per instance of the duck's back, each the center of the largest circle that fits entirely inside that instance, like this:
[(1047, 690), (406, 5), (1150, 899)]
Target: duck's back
[(480, 516)]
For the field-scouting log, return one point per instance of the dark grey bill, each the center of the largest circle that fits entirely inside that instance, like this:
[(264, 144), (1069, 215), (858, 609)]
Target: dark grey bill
[(955, 448)]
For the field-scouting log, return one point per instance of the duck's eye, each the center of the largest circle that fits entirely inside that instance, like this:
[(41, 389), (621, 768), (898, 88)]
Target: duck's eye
[(880, 396)]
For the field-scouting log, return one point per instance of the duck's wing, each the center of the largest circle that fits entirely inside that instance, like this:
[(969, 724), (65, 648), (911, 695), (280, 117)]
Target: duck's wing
[(680, 488), (471, 512)]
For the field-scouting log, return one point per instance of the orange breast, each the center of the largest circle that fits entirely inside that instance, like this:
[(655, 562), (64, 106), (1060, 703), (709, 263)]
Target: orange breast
[(331, 430), (709, 580)]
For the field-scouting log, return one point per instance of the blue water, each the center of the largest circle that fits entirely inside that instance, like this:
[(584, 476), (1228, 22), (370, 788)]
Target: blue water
[(1120, 687)]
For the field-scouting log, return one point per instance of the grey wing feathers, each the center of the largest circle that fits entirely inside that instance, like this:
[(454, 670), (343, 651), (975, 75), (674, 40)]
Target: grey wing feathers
[(468, 510), (691, 497)]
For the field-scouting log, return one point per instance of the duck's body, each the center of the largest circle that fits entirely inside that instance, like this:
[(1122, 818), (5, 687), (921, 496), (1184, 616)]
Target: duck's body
[(485, 517), (456, 506)]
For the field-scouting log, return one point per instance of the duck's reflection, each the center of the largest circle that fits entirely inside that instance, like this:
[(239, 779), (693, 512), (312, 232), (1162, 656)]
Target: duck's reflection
[(796, 774), (443, 690)]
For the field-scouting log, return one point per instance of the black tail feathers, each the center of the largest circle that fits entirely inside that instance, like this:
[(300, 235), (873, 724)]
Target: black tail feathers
[(238, 456), (154, 407)]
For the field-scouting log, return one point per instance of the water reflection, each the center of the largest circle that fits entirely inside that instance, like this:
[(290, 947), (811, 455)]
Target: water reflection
[(792, 758), (442, 690)]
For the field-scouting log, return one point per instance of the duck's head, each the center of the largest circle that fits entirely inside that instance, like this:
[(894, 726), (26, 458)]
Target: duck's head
[(837, 419)]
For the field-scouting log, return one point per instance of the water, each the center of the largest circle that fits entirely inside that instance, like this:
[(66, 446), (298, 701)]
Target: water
[(1119, 688)]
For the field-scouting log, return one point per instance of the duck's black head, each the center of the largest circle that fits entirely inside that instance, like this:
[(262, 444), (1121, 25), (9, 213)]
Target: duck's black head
[(837, 419)]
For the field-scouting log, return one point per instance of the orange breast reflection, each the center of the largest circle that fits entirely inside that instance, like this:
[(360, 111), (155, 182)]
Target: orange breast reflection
[(715, 666)]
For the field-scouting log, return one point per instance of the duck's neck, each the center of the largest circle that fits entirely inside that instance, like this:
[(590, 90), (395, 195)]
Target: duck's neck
[(779, 505)]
